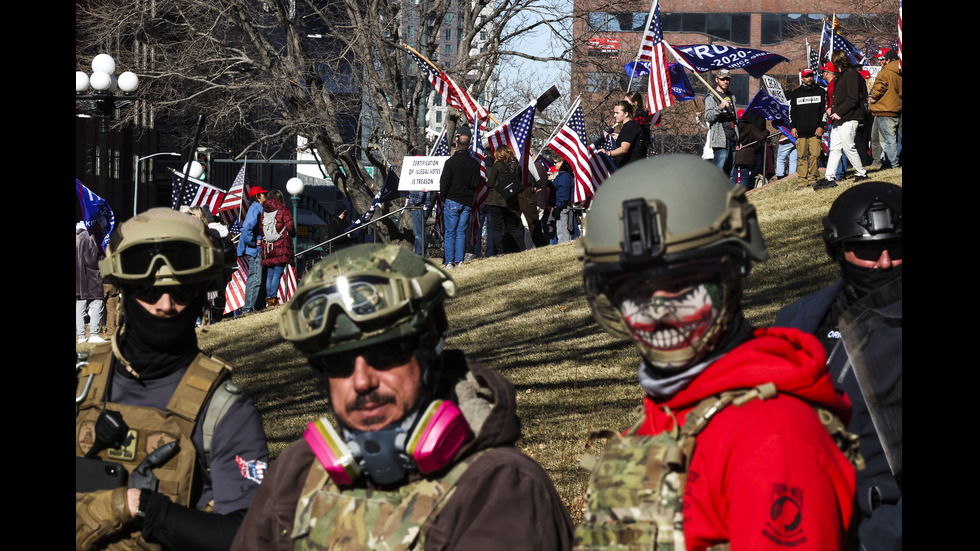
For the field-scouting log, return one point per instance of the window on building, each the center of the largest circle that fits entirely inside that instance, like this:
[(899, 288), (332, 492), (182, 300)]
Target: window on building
[(732, 27), (777, 27), (449, 49), (449, 34), (483, 35), (438, 116), (604, 82), (411, 31), (438, 101), (449, 18)]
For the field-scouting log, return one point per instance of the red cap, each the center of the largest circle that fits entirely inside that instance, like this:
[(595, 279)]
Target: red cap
[(882, 52), (829, 67), (806, 73), (256, 190)]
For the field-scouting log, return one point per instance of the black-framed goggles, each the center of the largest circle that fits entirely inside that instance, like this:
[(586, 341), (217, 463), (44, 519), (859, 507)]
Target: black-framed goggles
[(141, 260)]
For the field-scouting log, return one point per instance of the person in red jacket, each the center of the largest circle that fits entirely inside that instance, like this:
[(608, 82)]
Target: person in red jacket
[(730, 447), (278, 231)]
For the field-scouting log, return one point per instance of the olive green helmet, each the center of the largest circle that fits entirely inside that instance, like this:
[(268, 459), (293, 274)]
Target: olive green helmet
[(673, 221), (361, 296), (161, 247)]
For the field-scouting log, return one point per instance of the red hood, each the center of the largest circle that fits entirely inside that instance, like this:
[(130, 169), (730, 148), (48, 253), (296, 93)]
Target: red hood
[(795, 361)]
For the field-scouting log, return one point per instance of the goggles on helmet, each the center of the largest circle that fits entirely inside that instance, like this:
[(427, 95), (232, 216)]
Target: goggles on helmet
[(362, 298), (141, 260)]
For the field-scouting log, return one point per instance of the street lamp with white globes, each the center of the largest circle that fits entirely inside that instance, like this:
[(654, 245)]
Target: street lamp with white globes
[(103, 89), (295, 188)]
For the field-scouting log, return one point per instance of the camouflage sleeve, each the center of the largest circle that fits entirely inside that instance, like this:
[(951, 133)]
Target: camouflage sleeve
[(504, 501)]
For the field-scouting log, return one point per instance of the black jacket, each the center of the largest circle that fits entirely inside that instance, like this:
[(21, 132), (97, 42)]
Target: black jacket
[(806, 109), (460, 177)]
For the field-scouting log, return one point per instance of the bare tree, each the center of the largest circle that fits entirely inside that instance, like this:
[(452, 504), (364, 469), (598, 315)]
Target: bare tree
[(334, 72)]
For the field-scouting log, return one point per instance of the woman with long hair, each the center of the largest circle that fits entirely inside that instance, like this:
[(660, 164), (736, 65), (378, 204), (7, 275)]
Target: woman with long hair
[(504, 213)]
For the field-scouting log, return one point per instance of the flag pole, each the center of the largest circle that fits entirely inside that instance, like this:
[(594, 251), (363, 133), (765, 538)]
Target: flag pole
[(433, 65), (558, 128), (679, 60), (653, 7)]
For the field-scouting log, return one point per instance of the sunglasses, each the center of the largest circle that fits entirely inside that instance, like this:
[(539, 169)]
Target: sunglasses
[(181, 294), (871, 250), (383, 356)]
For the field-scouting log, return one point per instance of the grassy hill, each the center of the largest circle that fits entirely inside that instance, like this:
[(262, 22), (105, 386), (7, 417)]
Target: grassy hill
[(525, 315)]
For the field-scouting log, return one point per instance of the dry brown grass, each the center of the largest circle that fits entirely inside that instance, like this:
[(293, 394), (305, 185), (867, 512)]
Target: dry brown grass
[(525, 315)]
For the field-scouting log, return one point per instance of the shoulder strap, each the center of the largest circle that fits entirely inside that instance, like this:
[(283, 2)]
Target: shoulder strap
[(195, 388), (222, 399), (95, 369)]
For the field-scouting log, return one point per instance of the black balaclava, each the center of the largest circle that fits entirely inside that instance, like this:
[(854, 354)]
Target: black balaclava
[(860, 281), (156, 346)]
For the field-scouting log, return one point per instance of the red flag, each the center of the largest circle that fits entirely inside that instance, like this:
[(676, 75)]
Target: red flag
[(455, 95)]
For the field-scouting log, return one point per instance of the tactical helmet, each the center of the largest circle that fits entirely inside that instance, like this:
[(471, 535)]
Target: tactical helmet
[(364, 295), (161, 247), (673, 221), (871, 211)]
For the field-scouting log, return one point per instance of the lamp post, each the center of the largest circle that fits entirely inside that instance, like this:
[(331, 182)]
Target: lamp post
[(101, 88), (295, 188)]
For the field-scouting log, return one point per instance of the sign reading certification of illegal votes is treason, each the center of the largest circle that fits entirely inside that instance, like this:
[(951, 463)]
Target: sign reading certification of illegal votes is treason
[(421, 173)]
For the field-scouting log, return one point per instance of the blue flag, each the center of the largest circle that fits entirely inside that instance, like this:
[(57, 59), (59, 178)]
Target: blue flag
[(97, 215), (767, 107), (832, 41), (680, 87), (701, 58)]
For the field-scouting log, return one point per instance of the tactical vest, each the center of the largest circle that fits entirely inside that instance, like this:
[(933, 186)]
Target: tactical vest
[(329, 517), (151, 428), (636, 488)]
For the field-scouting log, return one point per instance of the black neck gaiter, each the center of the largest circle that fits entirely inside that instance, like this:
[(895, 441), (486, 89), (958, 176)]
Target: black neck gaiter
[(155, 346)]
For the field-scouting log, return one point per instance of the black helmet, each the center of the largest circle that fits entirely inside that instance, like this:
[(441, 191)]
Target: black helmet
[(867, 212)]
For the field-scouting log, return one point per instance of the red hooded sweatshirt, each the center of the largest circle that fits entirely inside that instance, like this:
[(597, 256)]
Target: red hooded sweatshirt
[(765, 475)]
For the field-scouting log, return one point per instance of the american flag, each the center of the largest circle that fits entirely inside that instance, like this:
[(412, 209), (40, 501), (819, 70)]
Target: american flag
[(480, 195), (570, 145), (235, 290), (196, 193), (287, 284), (233, 200), (441, 147), (831, 40), (900, 34), (652, 49), (812, 59), (515, 133), (253, 470), (454, 95)]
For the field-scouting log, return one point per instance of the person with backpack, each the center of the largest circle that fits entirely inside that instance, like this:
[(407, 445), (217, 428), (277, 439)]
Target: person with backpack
[(278, 231), (849, 102), (732, 446), (249, 247)]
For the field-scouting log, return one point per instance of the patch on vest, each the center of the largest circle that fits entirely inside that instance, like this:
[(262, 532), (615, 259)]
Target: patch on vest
[(785, 516), (86, 436), (126, 452)]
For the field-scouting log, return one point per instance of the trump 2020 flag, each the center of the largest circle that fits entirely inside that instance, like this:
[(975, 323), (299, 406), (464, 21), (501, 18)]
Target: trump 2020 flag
[(701, 58), (97, 215)]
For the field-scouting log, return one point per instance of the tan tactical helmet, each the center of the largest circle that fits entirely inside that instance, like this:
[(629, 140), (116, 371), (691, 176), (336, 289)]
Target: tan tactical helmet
[(161, 247), (364, 295), (674, 219)]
